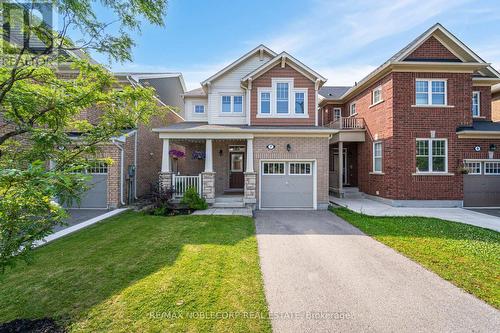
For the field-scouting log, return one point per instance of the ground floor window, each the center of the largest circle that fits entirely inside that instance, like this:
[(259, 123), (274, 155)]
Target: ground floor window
[(377, 157), (431, 155)]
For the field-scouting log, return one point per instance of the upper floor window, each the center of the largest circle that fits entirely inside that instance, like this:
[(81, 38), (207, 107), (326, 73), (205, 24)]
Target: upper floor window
[(337, 113), (476, 103), (232, 104), (432, 155), (352, 109), (299, 102), (377, 157), (282, 97), (377, 95), (430, 92), (199, 108), (265, 102)]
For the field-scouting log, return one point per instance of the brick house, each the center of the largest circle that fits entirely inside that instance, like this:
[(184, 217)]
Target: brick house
[(495, 102), (265, 131)]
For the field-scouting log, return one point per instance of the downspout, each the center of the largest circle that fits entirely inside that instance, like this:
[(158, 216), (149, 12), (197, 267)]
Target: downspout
[(122, 161), (135, 163)]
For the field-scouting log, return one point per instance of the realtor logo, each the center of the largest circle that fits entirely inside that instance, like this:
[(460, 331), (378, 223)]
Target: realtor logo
[(27, 27)]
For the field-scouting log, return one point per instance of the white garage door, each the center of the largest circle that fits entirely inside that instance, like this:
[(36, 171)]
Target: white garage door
[(287, 184)]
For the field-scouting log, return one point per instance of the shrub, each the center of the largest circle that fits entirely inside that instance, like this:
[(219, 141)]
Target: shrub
[(193, 200)]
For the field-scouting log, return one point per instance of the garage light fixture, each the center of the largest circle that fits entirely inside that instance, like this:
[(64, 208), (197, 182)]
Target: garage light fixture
[(288, 147)]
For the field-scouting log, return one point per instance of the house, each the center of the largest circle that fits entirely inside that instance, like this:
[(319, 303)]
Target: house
[(266, 132), (495, 102), (136, 154)]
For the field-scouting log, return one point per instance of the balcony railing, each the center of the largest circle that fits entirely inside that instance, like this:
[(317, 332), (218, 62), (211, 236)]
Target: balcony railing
[(347, 123)]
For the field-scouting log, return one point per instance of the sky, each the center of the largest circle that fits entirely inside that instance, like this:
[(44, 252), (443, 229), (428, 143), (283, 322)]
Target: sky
[(341, 40)]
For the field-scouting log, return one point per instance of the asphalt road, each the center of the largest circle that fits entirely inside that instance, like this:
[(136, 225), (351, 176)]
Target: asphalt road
[(323, 275)]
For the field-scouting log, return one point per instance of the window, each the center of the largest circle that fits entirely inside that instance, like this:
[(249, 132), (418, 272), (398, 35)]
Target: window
[(431, 155), (377, 95), (430, 92), (238, 103), (98, 168), (265, 102), (352, 110), (492, 168), (237, 162), (299, 102), (474, 168), (282, 97), (199, 108), (226, 103), (476, 103), (271, 168), (377, 157), (299, 168), (337, 113)]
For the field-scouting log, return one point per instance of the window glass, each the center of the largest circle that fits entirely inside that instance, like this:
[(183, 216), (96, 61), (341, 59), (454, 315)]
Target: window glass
[(422, 156), (299, 102), (377, 157), (474, 168), (282, 98), (226, 103), (199, 109), (353, 109), (422, 92), (238, 104), (475, 104), (376, 95), (337, 113), (265, 102), (431, 155), (98, 168), (273, 168), (299, 168), (438, 92), (492, 168), (438, 155)]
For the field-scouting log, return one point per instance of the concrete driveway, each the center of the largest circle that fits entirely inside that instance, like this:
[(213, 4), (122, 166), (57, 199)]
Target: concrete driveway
[(323, 275), (77, 216)]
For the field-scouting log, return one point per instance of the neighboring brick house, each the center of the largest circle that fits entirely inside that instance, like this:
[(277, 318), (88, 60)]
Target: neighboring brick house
[(428, 120), (495, 102), (417, 131)]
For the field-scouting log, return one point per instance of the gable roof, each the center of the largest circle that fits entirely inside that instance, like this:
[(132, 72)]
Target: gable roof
[(287, 58), (198, 92), (260, 48), (138, 76), (333, 92)]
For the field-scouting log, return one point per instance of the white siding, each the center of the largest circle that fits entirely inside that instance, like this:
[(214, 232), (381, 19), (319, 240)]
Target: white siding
[(189, 104), (229, 84)]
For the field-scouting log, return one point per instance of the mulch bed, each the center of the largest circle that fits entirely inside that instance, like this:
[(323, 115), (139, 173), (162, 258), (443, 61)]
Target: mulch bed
[(44, 325)]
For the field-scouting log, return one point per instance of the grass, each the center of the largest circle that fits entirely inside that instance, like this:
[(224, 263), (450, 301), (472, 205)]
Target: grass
[(467, 256), (141, 273)]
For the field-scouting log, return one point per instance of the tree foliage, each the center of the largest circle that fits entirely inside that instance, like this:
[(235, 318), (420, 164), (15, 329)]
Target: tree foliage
[(46, 143)]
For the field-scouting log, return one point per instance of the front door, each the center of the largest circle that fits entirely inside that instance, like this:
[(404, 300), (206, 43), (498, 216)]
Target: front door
[(236, 177)]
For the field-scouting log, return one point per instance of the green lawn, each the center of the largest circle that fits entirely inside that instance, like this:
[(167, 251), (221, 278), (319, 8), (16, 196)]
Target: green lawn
[(467, 256), (141, 273)]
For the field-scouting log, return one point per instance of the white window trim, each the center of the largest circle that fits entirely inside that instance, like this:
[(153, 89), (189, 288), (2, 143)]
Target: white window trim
[(299, 174), (274, 174), (350, 109), (291, 100), (379, 88), (480, 167), (478, 104), (197, 113), (430, 140), (381, 157), (490, 174), (429, 93), (340, 113), (231, 112)]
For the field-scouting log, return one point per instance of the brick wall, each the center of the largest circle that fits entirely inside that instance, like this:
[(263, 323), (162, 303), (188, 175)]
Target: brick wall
[(300, 81), (302, 148), (431, 49), (485, 102), (495, 108)]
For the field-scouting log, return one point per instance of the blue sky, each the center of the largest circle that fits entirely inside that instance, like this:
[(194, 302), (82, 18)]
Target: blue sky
[(342, 40)]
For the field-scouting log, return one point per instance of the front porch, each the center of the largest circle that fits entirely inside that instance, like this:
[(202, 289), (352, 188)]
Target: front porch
[(220, 169)]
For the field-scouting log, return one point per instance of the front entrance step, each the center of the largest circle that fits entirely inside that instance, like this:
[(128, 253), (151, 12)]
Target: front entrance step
[(352, 193), (229, 202)]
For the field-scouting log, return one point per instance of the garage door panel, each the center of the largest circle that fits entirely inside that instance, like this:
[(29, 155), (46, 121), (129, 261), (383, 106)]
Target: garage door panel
[(481, 191), (97, 195)]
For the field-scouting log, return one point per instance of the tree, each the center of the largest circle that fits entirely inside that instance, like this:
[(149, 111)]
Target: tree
[(39, 110)]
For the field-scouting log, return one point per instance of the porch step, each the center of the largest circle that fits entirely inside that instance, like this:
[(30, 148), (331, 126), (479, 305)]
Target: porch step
[(229, 202), (352, 192)]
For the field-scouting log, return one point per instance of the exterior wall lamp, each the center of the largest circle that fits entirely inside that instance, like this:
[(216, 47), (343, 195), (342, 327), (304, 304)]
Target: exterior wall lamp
[(288, 147)]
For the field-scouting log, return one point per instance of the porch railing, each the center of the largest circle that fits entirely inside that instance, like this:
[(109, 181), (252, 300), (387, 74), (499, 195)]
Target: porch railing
[(347, 123), (182, 183)]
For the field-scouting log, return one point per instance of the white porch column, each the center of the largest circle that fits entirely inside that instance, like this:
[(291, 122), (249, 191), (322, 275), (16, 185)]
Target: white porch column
[(249, 167), (208, 156), (165, 157), (341, 168)]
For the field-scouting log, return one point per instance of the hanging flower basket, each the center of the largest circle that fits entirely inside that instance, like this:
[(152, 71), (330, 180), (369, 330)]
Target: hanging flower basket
[(177, 153), (198, 155)]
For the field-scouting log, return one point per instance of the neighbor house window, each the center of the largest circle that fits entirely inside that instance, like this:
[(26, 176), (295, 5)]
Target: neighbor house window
[(265, 102), (299, 102), (273, 168), (476, 103), (199, 108), (226, 103), (377, 157), (299, 168), (238, 103), (282, 97), (430, 92), (473, 168), (377, 95), (492, 168), (431, 155), (352, 109), (337, 113)]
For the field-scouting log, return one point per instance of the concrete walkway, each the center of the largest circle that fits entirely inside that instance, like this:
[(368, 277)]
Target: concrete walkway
[(376, 208), (225, 211), (323, 275)]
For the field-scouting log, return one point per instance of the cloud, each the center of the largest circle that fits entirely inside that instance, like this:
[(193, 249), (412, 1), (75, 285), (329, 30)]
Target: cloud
[(344, 75)]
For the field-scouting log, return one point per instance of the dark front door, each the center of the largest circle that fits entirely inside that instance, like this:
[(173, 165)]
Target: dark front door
[(236, 177)]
